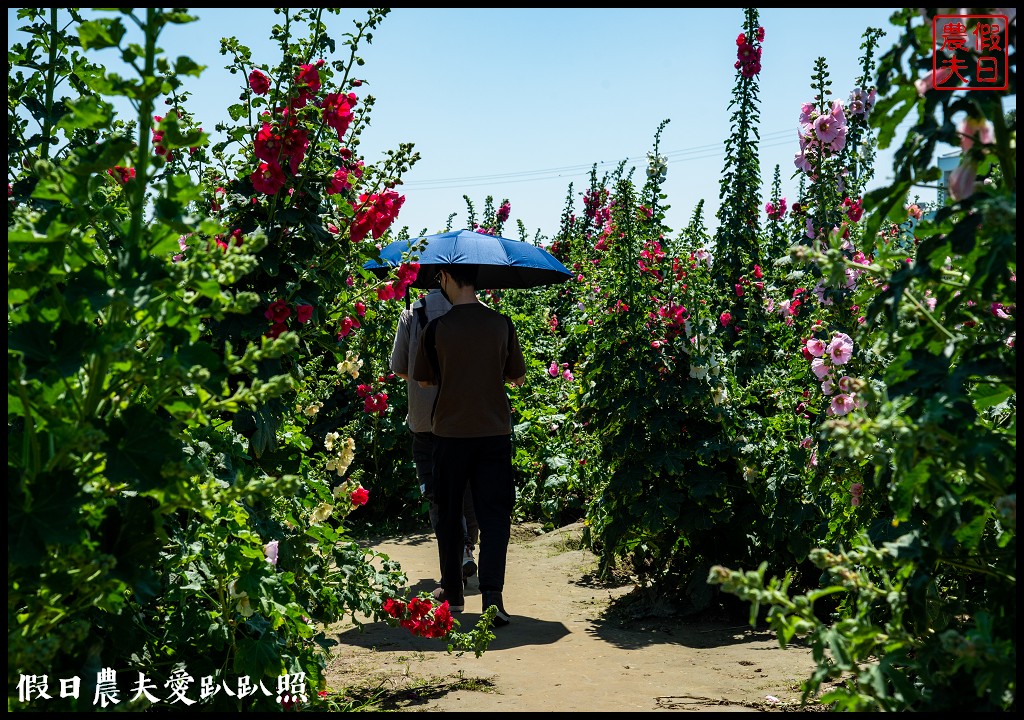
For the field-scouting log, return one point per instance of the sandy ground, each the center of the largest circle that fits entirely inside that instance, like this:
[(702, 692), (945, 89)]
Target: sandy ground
[(563, 652)]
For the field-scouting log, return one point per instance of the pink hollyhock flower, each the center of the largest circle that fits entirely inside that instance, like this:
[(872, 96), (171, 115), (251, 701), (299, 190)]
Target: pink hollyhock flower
[(739, 290), (553, 369), (815, 347), (567, 374), (933, 79), (827, 386), (725, 318), (974, 130), (277, 311), (856, 490), (360, 496), (841, 404), (819, 368), (840, 350), (999, 310), (259, 82), (503, 212), (268, 178), (806, 442), (962, 180), (270, 551), (757, 272), (826, 128), (303, 313), (337, 111), (360, 308)]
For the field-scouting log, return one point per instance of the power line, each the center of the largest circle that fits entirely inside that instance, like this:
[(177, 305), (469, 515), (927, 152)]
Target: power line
[(700, 152)]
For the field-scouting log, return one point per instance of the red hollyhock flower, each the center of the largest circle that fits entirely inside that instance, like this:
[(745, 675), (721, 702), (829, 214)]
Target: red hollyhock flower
[(303, 313), (360, 496), (123, 174), (259, 82), (278, 311), (268, 178)]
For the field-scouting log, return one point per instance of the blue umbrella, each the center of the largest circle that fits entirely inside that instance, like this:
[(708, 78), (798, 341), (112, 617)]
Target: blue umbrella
[(502, 263)]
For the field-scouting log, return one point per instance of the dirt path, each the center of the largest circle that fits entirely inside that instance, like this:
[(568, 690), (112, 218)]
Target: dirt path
[(562, 653)]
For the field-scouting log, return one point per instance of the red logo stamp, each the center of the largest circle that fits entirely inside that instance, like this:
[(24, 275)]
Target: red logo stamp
[(969, 52)]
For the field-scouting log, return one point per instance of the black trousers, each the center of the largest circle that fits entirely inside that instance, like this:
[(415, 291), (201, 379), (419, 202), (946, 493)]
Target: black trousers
[(485, 465), (423, 457)]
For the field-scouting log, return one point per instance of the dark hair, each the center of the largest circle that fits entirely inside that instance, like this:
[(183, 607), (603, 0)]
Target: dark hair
[(463, 275)]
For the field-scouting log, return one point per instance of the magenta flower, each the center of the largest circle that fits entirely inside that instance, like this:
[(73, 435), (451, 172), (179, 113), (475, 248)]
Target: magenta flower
[(360, 496), (259, 82), (553, 369)]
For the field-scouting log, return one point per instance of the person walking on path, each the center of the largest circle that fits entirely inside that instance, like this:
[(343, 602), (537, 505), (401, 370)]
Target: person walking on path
[(469, 353), (411, 323)]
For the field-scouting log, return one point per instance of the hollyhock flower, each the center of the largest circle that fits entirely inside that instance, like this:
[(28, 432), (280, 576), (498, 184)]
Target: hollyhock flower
[(974, 130), (503, 212), (337, 111), (856, 490), (567, 374), (757, 272), (360, 496), (268, 178), (259, 82), (270, 551), (348, 324), (826, 128), (321, 513), (854, 209), (303, 313), (932, 79), (827, 386), (841, 404), (840, 350), (819, 368), (725, 318), (703, 256), (360, 308), (962, 180), (267, 145), (806, 442), (122, 174), (815, 347), (277, 311)]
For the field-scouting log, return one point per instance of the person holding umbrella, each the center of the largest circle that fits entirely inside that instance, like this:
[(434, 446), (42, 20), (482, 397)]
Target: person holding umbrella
[(469, 353), (410, 326)]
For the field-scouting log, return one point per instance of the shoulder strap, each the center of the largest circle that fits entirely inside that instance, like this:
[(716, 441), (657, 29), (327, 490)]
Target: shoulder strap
[(431, 348), (421, 314)]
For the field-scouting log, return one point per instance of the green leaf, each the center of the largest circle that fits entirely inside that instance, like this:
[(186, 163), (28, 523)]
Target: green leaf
[(102, 33), (187, 66), (87, 113)]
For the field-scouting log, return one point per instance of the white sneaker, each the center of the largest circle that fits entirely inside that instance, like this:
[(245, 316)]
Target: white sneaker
[(468, 565)]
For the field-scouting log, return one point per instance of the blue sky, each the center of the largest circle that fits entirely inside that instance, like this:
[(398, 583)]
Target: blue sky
[(519, 103)]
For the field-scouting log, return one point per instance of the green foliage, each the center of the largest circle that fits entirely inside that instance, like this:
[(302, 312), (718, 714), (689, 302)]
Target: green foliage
[(187, 437), (926, 596)]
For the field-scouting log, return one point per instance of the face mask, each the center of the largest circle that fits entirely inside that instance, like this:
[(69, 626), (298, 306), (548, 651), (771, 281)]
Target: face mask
[(444, 294)]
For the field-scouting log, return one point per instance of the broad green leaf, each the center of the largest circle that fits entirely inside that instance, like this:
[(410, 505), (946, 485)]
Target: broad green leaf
[(101, 33)]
